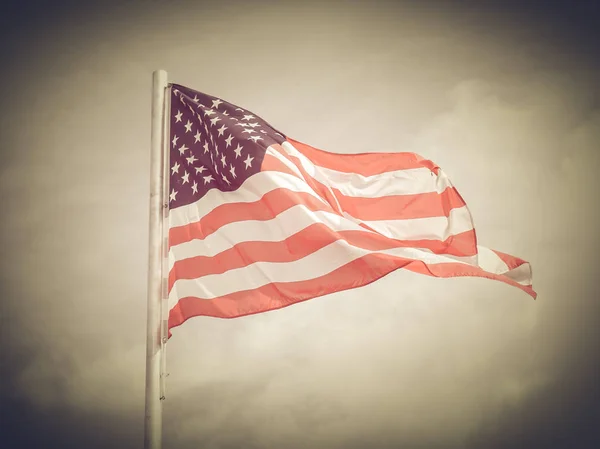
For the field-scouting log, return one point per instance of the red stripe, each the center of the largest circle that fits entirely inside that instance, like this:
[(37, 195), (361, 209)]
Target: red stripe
[(392, 207), (268, 207), (366, 164), (295, 247), (355, 274), (511, 262), (462, 245), (304, 243), (395, 207)]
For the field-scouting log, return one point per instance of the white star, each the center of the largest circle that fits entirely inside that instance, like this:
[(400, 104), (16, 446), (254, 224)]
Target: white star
[(223, 160), (175, 91), (248, 117), (194, 187), (225, 179), (178, 117), (175, 168), (185, 177), (208, 179), (200, 169), (188, 127), (243, 125), (216, 103), (232, 171), (214, 120), (182, 149), (238, 151), (225, 114), (228, 141), (175, 140), (205, 147), (248, 131), (191, 159), (222, 130), (195, 100), (173, 195), (209, 112), (255, 138), (253, 125), (197, 137), (239, 109), (248, 162), (263, 131)]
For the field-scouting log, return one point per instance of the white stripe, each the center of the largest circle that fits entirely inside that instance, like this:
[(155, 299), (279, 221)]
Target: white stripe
[(432, 228), (311, 169), (284, 225), (398, 182), (251, 190), (317, 264), (491, 262), (521, 274)]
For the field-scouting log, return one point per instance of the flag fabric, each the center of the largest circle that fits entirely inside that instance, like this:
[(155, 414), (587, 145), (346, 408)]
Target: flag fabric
[(258, 221)]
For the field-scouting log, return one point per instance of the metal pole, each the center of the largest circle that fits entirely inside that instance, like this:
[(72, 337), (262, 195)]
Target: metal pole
[(153, 415)]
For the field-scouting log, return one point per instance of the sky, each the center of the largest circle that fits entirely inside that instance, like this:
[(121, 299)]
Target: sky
[(503, 96)]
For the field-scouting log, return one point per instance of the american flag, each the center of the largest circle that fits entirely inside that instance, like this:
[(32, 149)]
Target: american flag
[(258, 221)]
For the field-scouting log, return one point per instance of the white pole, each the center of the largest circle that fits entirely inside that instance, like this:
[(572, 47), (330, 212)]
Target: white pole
[(153, 421)]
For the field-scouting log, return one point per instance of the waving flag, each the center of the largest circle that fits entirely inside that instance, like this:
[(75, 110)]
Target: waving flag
[(259, 221)]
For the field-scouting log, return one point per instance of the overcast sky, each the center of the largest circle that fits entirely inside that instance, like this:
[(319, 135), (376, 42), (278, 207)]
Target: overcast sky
[(504, 98)]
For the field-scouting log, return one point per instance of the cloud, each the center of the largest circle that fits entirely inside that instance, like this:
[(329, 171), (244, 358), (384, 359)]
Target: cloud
[(408, 361)]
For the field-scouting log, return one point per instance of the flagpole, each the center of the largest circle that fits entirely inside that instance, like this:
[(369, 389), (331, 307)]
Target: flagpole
[(153, 407)]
